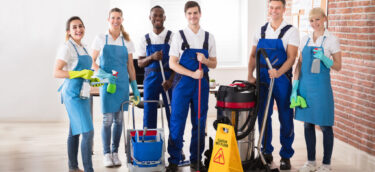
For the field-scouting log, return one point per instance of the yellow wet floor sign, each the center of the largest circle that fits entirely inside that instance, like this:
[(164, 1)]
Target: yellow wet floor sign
[(225, 155)]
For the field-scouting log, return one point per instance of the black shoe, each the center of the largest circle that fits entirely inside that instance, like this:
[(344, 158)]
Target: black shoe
[(285, 164), (172, 168), (268, 158), (194, 166)]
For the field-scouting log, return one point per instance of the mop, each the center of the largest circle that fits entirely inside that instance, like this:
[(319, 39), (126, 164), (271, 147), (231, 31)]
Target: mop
[(199, 115), (166, 91)]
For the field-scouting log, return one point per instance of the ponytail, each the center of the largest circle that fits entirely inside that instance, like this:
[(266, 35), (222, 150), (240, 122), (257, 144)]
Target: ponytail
[(124, 34)]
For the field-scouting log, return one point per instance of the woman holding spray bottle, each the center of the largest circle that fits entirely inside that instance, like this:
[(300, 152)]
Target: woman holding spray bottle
[(74, 63), (312, 95), (115, 52)]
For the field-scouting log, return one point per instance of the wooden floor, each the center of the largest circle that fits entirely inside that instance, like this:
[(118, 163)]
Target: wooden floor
[(31, 147)]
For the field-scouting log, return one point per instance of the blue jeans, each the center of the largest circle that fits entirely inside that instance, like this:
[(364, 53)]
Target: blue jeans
[(109, 119), (86, 150), (310, 139)]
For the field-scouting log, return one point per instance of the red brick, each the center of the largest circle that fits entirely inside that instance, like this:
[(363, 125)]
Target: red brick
[(360, 29), (358, 16), (355, 23), (369, 9), (357, 36), (360, 3), (371, 23), (357, 10)]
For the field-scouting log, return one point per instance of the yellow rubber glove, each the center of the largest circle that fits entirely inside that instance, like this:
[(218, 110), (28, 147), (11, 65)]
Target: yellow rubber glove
[(85, 74)]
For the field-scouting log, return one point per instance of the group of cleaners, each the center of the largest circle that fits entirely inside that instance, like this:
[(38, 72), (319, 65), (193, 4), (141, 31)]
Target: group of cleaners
[(186, 57)]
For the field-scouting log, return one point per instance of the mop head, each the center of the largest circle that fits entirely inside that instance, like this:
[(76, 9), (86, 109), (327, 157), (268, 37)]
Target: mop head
[(257, 165)]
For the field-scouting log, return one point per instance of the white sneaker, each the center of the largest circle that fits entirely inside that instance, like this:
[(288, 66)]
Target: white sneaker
[(116, 160), (107, 161), (308, 167), (324, 168)]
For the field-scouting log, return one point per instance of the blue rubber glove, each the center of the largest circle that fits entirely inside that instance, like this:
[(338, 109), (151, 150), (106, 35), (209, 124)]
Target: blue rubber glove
[(111, 87), (137, 95), (293, 96), (104, 75), (320, 55)]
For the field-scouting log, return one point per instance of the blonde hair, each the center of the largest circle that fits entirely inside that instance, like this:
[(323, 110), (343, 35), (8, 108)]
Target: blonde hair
[(125, 34), (317, 12)]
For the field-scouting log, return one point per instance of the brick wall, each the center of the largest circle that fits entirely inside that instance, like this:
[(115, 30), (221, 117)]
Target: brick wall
[(354, 86)]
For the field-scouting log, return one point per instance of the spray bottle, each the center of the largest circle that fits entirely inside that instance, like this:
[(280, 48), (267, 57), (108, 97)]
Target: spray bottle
[(315, 66)]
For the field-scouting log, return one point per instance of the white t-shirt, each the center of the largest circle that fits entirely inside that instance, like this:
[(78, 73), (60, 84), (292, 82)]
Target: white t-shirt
[(331, 44), (155, 39), (291, 37), (68, 54), (195, 41), (99, 42)]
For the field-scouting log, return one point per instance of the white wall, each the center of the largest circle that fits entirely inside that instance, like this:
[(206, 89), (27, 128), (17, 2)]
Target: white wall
[(31, 32)]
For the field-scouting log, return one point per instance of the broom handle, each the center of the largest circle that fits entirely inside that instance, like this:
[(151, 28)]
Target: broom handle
[(199, 115)]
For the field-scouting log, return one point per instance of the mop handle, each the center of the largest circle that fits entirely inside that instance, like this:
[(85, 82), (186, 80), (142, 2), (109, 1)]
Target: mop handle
[(163, 75), (199, 115), (265, 115)]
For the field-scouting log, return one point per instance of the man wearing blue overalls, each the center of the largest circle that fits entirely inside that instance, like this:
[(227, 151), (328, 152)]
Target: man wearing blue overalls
[(190, 47), (153, 48), (281, 42)]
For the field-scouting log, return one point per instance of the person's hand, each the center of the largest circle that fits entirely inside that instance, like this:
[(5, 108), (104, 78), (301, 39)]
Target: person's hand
[(104, 75), (251, 79), (273, 73), (198, 74), (202, 58), (85, 74), (167, 85), (318, 53), (158, 55)]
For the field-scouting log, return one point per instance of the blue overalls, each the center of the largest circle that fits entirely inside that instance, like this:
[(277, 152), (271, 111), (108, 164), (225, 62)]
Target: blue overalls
[(115, 57), (317, 91), (79, 110), (185, 95), (153, 80), (281, 93)]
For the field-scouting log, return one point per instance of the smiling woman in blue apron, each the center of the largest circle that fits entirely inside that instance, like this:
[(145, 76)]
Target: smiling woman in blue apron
[(74, 63), (313, 84), (115, 52)]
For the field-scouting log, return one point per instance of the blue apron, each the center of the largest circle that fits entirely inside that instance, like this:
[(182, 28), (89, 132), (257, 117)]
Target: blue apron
[(153, 80), (115, 57), (185, 95), (281, 93), (79, 110), (317, 91)]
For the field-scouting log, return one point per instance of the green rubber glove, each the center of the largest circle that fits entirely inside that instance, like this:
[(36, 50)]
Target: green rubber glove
[(85, 74), (320, 55), (300, 101), (293, 96), (137, 95)]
